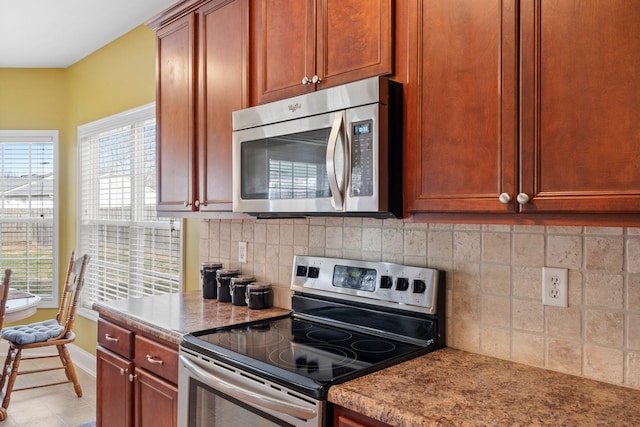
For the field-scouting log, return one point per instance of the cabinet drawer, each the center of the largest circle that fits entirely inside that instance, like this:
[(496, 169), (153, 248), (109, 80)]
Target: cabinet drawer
[(115, 338), (156, 358)]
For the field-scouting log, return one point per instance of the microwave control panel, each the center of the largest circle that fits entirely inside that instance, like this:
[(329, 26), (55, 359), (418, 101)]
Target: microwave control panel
[(362, 158)]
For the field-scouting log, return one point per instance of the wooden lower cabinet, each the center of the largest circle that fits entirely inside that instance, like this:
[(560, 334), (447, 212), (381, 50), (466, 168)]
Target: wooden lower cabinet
[(343, 417), (155, 401), (114, 390), (136, 379)]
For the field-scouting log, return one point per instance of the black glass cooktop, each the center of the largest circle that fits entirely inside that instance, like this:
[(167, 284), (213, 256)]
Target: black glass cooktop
[(297, 353)]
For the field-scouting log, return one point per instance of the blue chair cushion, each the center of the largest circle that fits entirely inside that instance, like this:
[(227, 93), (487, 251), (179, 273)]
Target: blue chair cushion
[(34, 332)]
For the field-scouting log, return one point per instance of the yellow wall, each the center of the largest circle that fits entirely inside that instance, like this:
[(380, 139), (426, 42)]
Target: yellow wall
[(115, 78), (37, 99)]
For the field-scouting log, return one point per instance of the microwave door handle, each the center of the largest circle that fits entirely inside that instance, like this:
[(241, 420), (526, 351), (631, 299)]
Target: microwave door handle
[(332, 174), (226, 386)]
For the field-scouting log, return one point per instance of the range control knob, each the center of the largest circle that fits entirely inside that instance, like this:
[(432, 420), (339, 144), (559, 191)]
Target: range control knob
[(313, 273), (419, 286), (402, 284), (386, 282)]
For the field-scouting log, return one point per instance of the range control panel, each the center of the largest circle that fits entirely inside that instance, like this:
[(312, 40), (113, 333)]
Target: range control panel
[(378, 283)]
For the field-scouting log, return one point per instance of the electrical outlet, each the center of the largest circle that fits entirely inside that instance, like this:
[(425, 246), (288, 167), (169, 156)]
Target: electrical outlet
[(555, 286), (242, 252)]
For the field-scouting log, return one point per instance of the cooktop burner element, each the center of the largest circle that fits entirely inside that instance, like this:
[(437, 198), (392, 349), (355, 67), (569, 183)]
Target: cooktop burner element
[(348, 318)]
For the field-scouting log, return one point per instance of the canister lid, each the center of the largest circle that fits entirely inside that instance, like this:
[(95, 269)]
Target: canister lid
[(227, 273), (211, 266), (242, 280), (258, 287)]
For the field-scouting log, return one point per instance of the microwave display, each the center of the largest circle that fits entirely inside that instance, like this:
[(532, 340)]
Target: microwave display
[(361, 128)]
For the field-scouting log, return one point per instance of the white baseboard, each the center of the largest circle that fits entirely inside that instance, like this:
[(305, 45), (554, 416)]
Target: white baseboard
[(82, 359)]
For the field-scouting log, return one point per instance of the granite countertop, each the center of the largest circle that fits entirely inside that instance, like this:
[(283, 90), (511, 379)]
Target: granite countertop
[(169, 317), (448, 387), (455, 388)]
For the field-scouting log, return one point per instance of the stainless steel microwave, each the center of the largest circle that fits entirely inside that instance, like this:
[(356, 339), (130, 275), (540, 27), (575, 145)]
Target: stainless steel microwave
[(336, 151)]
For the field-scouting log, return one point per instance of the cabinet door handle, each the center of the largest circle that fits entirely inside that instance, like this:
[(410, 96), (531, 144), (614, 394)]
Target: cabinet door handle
[(132, 378), (124, 371), (152, 359), (504, 198), (110, 338), (197, 203), (187, 204), (523, 198), (316, 80), (306, 81)]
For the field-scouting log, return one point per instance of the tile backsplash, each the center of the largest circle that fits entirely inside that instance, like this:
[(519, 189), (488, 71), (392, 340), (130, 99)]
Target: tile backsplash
[(494, 273)]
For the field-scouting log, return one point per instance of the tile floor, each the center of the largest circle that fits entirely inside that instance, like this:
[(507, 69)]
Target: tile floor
[(56, 406)]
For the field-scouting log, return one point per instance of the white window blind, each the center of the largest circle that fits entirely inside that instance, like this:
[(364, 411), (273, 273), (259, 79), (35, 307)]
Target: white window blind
[(28, 226), (133, 252)]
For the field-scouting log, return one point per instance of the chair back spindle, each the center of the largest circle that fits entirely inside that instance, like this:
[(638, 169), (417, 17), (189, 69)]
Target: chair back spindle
[(72, 287), (4, 295)]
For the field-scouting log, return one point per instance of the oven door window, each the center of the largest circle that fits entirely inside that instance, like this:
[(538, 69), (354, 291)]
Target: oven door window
[(291, 166), (209, 407)]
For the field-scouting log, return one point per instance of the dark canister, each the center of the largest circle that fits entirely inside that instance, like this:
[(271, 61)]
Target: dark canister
[(223, 278), (259, 295), (238, 289), (208, 273)]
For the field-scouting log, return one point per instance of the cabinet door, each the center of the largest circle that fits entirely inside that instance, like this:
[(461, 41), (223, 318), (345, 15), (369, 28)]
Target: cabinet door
[(283, 39), (465, 113), (580, 111), (223, 77), (354, 40), (156, 401), (114, 390), (175, 115), (343, 417)]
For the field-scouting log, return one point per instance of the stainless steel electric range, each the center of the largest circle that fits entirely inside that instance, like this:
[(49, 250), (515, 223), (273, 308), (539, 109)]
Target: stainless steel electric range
[(348, 318)]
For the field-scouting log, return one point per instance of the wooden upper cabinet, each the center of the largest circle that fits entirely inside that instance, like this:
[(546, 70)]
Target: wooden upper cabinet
[(328, 41), (580, 115), (202, 77), (175, 106), (465, 110), (223, 88), (354, 40), (523, 106), (283, 35)]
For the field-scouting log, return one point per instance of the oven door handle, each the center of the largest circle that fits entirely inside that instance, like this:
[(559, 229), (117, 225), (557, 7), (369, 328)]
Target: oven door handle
[(332, 173), (225, 385)]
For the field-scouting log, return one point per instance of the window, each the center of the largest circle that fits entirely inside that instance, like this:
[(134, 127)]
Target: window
[(133, 252), (28, 211)]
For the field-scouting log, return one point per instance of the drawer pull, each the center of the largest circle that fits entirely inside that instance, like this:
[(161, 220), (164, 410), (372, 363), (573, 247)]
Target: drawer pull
[(152, 359), (110, 338)]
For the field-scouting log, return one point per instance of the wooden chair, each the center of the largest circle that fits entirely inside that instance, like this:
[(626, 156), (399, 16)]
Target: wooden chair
[(54, 332), (4, 294)]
